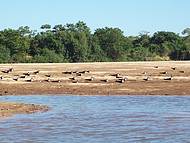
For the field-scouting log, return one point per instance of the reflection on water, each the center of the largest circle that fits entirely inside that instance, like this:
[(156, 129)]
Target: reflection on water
[(100, 119)]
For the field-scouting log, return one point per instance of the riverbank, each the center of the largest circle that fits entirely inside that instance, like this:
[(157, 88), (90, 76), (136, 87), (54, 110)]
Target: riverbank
[(128, 78), (10, 109)]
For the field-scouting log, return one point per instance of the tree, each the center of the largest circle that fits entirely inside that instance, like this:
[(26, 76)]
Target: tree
[(111, 41), (4, 54), (186, 31), (167, 42), (49, 56), (16, 41), (76, 42), (46, 26), (142, 40)]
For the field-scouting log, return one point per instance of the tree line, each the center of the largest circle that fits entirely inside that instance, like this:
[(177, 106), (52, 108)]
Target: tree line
[(76, 43)]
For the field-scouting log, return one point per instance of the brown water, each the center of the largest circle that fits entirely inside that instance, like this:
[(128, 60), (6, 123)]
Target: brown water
[(100, 119)]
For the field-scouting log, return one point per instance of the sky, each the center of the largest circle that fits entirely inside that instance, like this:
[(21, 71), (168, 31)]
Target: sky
[(131, 16)]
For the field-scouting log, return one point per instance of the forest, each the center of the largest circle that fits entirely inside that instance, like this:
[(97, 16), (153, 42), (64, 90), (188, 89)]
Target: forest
[(76, 43)]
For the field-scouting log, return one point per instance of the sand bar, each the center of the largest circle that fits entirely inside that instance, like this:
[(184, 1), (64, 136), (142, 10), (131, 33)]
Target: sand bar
[(10, 109), (125, 78)]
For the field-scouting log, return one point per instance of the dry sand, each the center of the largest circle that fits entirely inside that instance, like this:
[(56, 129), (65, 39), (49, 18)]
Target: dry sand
[(142, 78)]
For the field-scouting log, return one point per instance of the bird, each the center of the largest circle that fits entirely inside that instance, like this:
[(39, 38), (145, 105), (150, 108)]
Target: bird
[(90, 79), (72, 78), (84, 72), (182, 71), (117, 75), (173, 68), (164, 72), (67, 72), (22, 76), (105, 80), (125, 78), (146, 78), (47, 80), (144, 73), (168, 78), (75, 81), (26, 74), (30, 80), (11, 69), (15, 78), (36, 72), (5, 71), (48, 75), (78, 74), (120, 80)]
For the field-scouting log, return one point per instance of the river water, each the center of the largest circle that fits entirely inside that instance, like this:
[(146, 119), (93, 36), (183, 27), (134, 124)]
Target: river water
[(100, 119)]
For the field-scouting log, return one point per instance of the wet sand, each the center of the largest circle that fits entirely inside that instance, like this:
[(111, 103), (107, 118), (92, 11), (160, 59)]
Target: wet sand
[(128, 78), (10, 109)]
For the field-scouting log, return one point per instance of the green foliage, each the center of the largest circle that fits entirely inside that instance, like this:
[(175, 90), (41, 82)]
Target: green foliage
[(76, 43), (112, 42), (186, 31), (49, 56), (4, 54)]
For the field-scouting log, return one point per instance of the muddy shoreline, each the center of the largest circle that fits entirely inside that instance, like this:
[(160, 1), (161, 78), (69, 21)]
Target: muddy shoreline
[(9, 109)]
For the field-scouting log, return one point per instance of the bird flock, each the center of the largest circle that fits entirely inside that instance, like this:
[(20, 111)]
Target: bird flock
[(84, 76)]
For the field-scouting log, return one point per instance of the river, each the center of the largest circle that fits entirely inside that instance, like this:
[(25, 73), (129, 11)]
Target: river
[(100, 119)]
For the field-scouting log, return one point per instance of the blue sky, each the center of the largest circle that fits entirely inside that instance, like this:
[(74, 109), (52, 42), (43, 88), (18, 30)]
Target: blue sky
[(132, 16)]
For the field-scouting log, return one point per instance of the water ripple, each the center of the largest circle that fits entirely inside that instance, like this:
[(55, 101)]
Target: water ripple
[(100, 119)]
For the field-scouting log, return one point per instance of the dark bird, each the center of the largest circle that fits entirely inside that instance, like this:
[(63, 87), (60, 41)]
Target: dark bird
[(117, 75), (164, 72), (26, 74), (75, 81), (182, 71), (146, 78), (125, 78), (90, 79), (36, 72), (168, 78), (78, 74), (5, 71), (48, 75), (30, 80), (155, 67), (173, 68), (22, 76), (15, 78), (67, 72), (47, 80), (11, 69), (105, 80), (72, 78), (144, 73), (84, 72), (120, 80)]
